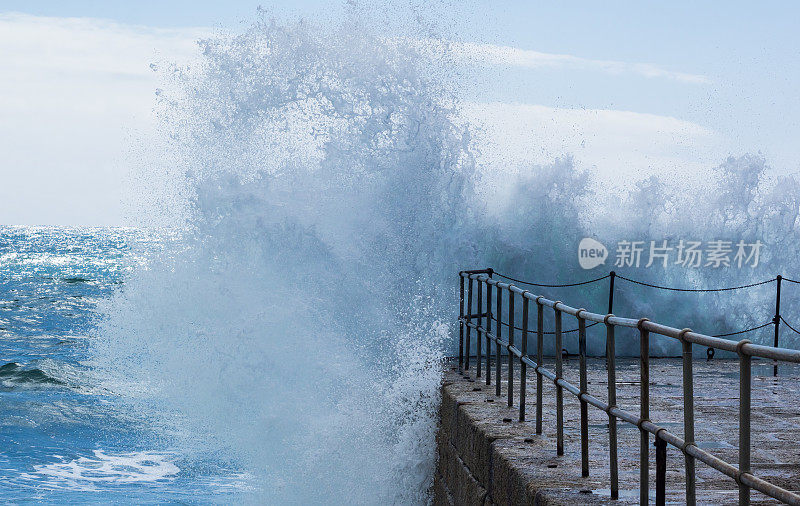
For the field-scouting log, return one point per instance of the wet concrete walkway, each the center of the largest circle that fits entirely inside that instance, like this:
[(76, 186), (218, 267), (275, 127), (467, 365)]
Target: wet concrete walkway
[(488, 457)]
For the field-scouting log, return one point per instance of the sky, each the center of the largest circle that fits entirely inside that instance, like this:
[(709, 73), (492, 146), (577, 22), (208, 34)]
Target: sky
[(627, 88)]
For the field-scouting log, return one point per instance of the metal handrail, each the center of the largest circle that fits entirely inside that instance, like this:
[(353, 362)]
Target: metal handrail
[(744, 349)]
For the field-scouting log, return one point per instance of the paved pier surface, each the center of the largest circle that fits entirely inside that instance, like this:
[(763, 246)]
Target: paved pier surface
[(486, 456)]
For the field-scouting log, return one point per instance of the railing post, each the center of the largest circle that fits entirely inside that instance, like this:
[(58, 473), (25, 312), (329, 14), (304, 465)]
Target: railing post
[(510, 343), (461, 323), (523, 367), (469, 315), (559, 389), (539, 362), (688, 416), (584, 391), (497, 349), (777, 319), (488, 331), (744, 420), (479, 332), (661, 471), (611, 277), (612, 402), (644, 414)]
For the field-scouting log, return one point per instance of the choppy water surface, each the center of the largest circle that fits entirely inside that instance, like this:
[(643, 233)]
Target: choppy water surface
[(63, 436)]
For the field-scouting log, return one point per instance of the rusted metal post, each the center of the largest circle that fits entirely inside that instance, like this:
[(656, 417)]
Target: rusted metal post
[(488, 331), (584, 391), (744, 420), (777, 320), (523, 367), (644, 414), (539, 361), (688, 416), (497, 349), (479, 332), (559, 388), (461, 323), (611, 276), (612, 402), (510, 343), (469, 315), (661, 471)]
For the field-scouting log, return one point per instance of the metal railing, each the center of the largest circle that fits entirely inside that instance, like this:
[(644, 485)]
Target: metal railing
[(480, 319)]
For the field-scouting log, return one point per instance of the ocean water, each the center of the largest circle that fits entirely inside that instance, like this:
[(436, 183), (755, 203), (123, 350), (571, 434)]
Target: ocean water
[(65, 438)]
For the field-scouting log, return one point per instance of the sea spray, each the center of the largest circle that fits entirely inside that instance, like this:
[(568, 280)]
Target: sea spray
[(742, 200), (298, 323)]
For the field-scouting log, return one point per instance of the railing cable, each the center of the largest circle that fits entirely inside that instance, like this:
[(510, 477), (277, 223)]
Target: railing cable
[(651, 285), (787, 324), (661, 287), (745, 331), (563, 285)]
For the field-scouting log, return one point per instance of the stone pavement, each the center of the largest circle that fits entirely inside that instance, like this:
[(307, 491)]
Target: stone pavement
[(486, 456)]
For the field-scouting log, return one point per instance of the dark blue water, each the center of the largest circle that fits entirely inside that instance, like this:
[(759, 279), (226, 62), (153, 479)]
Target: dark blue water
[(63, 438)]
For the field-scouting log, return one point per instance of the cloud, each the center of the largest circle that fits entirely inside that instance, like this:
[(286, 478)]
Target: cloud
[(488, 54), (618, 147), (73, 93)]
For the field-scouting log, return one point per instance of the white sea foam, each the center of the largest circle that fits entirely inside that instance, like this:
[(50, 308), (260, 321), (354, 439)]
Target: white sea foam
[(88, 473)]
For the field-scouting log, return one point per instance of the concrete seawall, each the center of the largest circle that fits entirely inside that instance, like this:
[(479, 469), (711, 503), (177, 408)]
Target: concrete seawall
[(486, 456)]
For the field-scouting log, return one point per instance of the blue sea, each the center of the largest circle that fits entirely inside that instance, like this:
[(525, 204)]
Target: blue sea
[(65, 438)]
